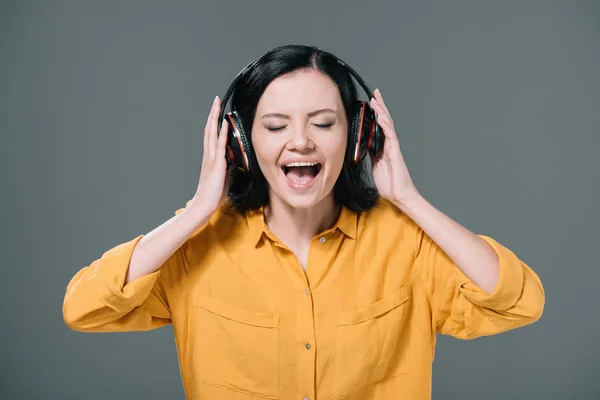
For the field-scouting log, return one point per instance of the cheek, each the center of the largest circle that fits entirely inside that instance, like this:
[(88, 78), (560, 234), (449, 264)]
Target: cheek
[(336, 150), (266, 152)]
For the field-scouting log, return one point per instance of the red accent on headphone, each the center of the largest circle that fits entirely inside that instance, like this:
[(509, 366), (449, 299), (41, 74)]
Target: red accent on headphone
[(371, 134), (230, 152), (241, 146), (360, 130)]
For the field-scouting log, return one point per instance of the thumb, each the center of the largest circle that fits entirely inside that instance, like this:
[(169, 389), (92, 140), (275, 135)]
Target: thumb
[(226, 182)]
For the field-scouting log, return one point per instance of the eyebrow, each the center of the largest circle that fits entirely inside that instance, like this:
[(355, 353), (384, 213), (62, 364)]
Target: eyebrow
[(310, 114)]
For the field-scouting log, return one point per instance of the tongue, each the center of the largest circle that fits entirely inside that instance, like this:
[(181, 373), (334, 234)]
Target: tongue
[(301, 175)]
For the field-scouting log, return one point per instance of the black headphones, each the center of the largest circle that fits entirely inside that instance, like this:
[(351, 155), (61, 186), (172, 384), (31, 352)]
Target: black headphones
[(365, 134)]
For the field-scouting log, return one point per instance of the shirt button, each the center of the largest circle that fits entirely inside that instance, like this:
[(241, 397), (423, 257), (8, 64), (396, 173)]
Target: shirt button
[(306, 292), (307, 346), (306, 398), (322, 239)]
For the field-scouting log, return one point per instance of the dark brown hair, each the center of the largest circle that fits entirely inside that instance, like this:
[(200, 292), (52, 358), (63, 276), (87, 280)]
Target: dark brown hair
[(248, 190)]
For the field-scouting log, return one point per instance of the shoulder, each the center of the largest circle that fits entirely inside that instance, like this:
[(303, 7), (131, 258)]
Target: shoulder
[(385, 220), (227, 220), (384, 213), (222, 224)]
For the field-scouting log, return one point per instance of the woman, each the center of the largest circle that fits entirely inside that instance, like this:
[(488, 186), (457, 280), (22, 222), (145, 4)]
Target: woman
[(307, 283)]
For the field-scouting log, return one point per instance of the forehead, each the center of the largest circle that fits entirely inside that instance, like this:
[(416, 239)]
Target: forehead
[(301, 90)]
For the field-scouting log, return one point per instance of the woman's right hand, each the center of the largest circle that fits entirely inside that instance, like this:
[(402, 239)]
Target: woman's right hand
[(214, 175)]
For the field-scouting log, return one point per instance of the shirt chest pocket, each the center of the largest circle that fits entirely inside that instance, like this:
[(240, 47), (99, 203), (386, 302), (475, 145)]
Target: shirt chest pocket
[(236, 349), (372, 343)]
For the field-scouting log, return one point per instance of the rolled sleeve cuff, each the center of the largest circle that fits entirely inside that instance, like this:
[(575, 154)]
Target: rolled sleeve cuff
[(510, 283), (113, 270)]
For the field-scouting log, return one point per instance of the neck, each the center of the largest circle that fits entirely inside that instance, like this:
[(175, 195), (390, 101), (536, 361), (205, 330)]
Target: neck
[(300, 225)]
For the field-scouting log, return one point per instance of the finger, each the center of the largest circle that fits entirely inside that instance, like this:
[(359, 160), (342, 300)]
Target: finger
[(379, 98), (212, 131), (386, 124), (202, 166), (205, 148), (388, 129), (382, 116), (207, 125), (222, 141), (226, 184), (380, 109)]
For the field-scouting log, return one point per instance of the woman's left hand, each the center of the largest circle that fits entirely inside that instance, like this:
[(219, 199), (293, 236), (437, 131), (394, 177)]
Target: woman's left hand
[(390, 173)]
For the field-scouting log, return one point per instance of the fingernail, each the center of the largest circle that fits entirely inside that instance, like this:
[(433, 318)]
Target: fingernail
[(378, 91), (215, 100)]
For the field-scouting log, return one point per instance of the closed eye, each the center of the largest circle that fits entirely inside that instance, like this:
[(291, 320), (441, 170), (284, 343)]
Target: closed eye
[(275, 128), (326, 125), (279, 128)]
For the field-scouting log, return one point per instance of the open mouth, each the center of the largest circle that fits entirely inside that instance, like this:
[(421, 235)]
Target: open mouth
[(301, 174)]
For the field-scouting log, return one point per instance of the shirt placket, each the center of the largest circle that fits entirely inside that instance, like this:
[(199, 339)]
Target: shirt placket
[(307, 341)]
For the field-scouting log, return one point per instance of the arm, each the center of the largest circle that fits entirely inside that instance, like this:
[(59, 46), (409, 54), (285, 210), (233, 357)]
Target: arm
[(477, 286), (472, 254), (130, 286), (133, 286), (158, 245)]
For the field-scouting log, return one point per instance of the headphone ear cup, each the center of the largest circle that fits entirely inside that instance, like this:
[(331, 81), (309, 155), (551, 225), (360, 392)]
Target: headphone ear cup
[(362, 128), (353, 149), (377, 140), (239, 150)]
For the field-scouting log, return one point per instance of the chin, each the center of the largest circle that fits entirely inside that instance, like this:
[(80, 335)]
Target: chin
[(302, 202)]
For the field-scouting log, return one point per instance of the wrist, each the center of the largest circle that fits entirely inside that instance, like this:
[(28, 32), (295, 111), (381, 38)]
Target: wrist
[(409, 201), (199, 209)]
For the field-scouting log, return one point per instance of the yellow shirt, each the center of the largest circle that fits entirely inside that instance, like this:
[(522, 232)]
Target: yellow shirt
[(251, 323)]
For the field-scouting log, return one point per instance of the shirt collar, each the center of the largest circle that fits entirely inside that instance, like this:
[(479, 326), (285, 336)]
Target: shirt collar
[(346, 223)]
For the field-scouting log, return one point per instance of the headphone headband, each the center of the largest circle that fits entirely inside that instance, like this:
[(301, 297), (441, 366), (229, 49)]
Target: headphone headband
[(244, 70)]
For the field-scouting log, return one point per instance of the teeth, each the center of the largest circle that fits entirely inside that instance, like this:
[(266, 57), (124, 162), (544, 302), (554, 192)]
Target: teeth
[(301, 164)]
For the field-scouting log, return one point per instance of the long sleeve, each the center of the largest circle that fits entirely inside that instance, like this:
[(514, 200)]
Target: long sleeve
[(465, 311), (97, 300)]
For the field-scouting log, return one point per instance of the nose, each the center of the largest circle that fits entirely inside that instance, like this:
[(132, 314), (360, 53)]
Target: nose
[(300, 139)]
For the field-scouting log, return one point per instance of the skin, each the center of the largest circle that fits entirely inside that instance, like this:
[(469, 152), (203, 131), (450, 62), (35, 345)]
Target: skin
[(473, 255), (296, 218), (291, 104)]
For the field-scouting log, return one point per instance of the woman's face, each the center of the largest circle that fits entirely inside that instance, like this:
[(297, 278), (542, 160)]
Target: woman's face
[(299, 136)]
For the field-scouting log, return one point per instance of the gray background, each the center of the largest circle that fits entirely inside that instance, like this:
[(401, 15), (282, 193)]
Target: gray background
[(102, 108)]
